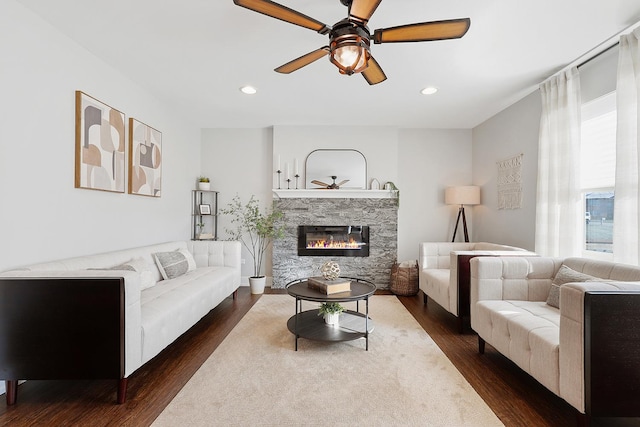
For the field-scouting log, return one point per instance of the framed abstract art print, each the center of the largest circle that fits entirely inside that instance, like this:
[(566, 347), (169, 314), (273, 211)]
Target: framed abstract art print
[(100, 145), (145, 159)]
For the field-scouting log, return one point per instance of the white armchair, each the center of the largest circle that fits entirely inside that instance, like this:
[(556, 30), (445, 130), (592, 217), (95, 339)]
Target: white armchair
[(444, 272)]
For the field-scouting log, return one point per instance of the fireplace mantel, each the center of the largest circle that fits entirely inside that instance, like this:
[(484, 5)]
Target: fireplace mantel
[(335, 194)]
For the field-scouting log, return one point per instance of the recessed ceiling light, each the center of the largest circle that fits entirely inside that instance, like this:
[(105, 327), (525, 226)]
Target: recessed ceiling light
[(430, 90), (249, 90)]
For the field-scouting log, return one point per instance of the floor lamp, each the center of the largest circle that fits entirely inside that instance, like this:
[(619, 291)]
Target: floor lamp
[(466, 195)]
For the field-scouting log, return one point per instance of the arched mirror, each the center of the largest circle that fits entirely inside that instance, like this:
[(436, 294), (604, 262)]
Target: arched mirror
[(345, 165)]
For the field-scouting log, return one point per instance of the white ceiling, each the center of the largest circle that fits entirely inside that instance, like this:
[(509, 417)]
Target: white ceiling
[(195, 54)]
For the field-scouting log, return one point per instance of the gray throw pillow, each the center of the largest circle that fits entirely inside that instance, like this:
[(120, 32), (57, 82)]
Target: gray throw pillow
[(554, 296), (565, 275), (171, 264)]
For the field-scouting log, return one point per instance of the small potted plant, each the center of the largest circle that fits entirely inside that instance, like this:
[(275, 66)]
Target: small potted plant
[(256, 229), (204, 184), (331, 312)]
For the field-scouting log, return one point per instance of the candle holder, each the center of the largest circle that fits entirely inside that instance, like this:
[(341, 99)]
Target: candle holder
[(279, 172), (288, 183), (296, 177)]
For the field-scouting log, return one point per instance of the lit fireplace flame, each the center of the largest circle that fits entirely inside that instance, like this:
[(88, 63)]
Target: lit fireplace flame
[(333, 244)]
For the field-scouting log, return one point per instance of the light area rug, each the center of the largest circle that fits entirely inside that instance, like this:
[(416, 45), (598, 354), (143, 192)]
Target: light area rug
[(256, 378)]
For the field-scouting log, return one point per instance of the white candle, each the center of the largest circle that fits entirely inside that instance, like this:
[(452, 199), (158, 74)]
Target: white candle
[(286, 171), (295, 166), (278, 162)]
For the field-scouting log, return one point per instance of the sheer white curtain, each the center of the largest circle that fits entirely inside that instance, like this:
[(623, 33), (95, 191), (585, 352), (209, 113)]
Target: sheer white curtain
[(626, 232), (559, 224)]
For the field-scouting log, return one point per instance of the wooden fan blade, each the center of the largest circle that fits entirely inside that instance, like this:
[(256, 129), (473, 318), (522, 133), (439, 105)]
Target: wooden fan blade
[(362, 10), (316, 182), (426, 31), (373, 74), (307, 59), (341, 183), (278, 11)]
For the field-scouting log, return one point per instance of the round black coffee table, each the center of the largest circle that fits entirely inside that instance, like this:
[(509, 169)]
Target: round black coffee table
[(353, 324)]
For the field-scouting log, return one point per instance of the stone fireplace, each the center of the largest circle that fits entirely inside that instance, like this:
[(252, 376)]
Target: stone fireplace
[(354, 218)]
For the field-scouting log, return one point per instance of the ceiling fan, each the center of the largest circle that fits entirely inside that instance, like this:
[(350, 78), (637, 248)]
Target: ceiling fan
[(350, 39), (332, 186)]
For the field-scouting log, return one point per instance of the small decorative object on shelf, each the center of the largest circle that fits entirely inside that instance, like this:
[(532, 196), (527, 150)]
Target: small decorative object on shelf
[(329, 286), (279, 172), (330, 270), (204, 184), (331, 312), (392, 187), (295, 171)]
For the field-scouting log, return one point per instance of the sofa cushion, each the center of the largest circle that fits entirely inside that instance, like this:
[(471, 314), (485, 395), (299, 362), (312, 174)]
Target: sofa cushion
[(190, 260), (435, 283), (173, 306), (565, 275), (138, 265), (171, 264), (527, 332)]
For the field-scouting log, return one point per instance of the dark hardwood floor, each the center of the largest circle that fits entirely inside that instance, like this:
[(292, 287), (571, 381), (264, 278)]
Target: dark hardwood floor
[(515, 397)]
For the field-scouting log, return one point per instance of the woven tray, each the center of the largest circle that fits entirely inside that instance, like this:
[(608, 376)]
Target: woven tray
[(404, 278)]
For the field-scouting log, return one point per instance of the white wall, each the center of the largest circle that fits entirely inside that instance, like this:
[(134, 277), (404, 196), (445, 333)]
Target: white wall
[(429, 161), (507, 134), (42, 216), (239, 161)]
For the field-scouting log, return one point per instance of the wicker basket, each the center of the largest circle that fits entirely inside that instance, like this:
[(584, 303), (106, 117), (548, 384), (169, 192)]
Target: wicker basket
[(404, 278)]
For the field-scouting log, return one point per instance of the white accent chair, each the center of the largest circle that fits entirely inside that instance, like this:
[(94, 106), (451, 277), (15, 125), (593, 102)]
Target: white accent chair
[(444, 272)]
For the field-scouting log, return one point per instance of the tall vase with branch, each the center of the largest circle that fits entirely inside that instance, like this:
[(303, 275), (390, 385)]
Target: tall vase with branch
[(256, 229)]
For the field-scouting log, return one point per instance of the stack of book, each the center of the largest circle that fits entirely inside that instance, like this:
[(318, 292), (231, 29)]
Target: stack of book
[(329, 286)]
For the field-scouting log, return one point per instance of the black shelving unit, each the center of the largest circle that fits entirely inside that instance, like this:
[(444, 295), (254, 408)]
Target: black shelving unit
[(201, 214)]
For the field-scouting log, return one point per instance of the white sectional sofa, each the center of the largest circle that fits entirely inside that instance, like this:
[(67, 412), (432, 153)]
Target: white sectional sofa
[(105, 315), (444, 272), (587, 351)]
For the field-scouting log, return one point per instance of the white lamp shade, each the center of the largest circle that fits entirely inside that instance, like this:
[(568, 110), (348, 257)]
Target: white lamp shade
[(465, 195)]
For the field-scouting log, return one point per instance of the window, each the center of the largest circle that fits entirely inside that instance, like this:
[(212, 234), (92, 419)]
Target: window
[(598, 169)]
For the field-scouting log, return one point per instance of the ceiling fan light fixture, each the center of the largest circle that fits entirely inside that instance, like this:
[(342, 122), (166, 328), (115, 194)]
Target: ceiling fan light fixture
[(350, 55), (349, 49), (350, 39)]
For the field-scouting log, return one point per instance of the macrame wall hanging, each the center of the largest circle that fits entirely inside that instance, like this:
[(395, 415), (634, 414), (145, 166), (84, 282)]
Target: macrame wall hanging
[(510, 183)]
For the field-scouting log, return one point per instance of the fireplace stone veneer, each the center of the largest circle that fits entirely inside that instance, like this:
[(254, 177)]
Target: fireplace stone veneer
[(379, 214)]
